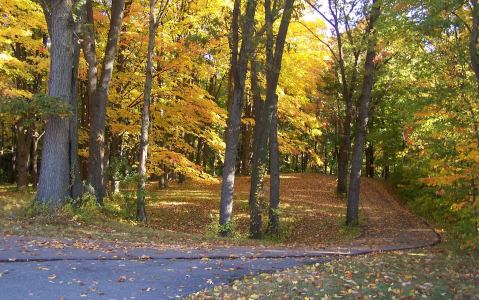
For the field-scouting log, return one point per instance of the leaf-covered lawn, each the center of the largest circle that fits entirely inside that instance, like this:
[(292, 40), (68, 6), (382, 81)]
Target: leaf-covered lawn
[(311, 212), (443, 272)]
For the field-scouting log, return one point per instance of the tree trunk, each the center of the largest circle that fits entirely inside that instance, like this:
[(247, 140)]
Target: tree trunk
[(76, 185), (34, 159), (145, 114), (24, 144), (246, 136), (274, 200), (343, 155), (370, 170), (239, 68), (98, 92), (274, 60), (54, 181), (347, 91), (352, 217), (199, 151)]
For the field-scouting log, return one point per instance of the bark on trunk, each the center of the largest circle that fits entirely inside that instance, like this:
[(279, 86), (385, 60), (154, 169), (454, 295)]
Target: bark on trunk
[(24, 143), (34, 159), (238, 69), (145, 114), (274, 60), (348, 88), (343, 155), (246, 137), (75, 181), (370, 170), (352, 217), (54, 179), (98, 93), (274, 200)]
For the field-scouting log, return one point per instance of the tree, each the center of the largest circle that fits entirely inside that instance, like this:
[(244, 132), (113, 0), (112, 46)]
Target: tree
[(154, 22), (352, 217), (54, 181), (98, 88), (23, 72), (342, 16), (239, 62), (274, 58)]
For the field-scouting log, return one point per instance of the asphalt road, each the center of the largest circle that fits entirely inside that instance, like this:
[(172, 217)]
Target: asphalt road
[(30, 271)]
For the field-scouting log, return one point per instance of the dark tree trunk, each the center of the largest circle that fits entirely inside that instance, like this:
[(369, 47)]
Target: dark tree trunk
[(274, 60), (385, 172), (204, 159), (199, 151), (273, 225), (24, 144), (54, 181), (343, 155), (34, 159), (238, 69), (370, 169), (98, 93), (163, 182), (352, 217), (246, 137), (340, 19)]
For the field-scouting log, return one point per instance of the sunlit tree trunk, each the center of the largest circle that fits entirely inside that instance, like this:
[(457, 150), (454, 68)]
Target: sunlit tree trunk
[(145, 113), (239, 64), (54, 181)]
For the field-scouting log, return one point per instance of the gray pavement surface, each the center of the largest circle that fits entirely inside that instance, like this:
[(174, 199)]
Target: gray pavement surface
[(50, 269)]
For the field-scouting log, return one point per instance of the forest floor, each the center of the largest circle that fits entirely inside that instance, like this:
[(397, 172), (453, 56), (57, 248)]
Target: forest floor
[(312, 215)]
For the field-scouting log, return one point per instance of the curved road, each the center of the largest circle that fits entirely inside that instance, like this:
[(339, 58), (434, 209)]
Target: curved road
[(51, 269)]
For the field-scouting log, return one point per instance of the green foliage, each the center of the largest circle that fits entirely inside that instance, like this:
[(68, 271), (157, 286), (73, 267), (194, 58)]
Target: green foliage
[(39, 106), (215, 228), (4, 176), (119, 169), (122, 204), (444, 206), (82, 209)]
